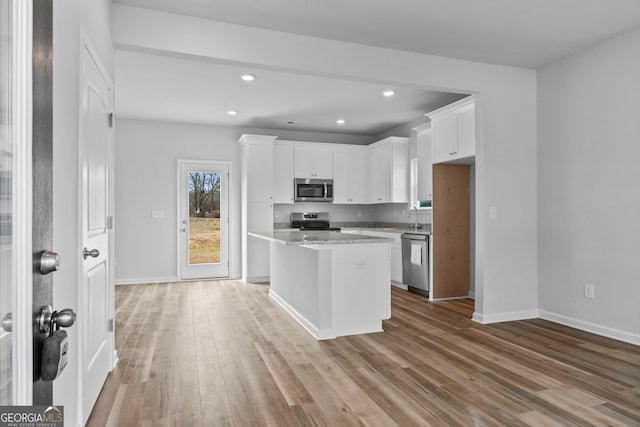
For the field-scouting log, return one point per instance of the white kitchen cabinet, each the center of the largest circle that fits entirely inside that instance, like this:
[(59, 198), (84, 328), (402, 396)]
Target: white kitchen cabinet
[(256, 157), (395, 253), (454, 131), (282, 173), (425, 163), (259, 171), (313, 162), (349, 175), (388, 171), (379, 173)]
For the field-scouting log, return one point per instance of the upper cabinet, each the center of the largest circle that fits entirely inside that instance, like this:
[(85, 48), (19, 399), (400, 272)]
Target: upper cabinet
[(388, 171), (258, 167), (349, 175), (454, 131), (282, 173), (313, 162), (425, 161)]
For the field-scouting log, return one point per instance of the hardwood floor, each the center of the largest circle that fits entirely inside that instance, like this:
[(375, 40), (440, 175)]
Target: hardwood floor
[(223, 353)]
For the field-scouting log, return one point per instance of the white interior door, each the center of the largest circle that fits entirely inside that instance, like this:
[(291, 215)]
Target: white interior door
[(96, 293), (204, 219)]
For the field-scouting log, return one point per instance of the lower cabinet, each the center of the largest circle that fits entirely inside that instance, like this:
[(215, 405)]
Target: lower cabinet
[(396, 262)]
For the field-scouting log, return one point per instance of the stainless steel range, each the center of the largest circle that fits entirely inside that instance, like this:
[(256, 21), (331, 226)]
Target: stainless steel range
[(311, 221)]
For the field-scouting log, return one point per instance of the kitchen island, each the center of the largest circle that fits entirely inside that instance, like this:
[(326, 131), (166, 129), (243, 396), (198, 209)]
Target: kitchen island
[(333, 284)]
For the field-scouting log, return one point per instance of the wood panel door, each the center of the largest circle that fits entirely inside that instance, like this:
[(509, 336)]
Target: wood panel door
[(451, 251)]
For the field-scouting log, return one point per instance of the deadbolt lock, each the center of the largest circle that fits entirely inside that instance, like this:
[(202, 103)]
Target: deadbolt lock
[(49, 262)]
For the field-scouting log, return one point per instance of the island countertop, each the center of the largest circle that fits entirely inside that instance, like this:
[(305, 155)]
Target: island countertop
[(316, 237)]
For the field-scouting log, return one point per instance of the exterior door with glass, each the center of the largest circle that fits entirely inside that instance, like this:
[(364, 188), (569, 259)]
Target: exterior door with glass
[(204, 219), (8, 286), (25, 198)]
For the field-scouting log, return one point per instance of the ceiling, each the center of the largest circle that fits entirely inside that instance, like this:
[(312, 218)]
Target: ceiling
[(521, 33), (202, 92)]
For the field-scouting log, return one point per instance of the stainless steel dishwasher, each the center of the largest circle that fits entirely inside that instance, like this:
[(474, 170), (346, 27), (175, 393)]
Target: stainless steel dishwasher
[(415, 262)]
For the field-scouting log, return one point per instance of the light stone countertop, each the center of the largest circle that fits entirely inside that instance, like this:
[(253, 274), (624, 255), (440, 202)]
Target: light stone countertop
[(391, 230), (316, 237)]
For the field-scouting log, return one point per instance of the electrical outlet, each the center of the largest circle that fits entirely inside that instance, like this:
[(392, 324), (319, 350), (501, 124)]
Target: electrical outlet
[(589, 291), (360, 265), (359, 214), (276, 213), (395, 213)]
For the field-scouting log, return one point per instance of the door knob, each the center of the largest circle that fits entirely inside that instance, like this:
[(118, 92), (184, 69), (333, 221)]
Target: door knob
[(91, 253), (49, 318), (7, 322), (49, 262), (64, 318)]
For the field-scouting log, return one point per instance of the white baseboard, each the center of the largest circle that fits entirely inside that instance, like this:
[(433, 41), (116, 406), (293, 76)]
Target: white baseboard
[(449, 298), (472, 295), (593, 328), (486, 319), (148, 280), (145, 280), (317, 333), (115, 360), (399, 285), (257, 279)]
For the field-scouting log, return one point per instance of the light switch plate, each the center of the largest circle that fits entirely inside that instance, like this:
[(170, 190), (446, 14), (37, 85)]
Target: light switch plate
[(157, 214), (493, 212)]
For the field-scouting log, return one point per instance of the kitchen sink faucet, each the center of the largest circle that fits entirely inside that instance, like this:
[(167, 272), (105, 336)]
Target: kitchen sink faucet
[(415, 228)]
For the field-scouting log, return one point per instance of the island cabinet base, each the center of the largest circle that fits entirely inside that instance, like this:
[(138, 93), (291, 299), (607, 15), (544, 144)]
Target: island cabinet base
[(333, 290)]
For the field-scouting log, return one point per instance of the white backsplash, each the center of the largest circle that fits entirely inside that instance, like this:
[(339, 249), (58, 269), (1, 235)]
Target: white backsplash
[(390, 212)]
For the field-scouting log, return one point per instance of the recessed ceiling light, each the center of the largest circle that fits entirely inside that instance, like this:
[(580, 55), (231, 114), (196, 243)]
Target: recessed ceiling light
[(388, 93), (232, 112), (340, 121), (248, 77)]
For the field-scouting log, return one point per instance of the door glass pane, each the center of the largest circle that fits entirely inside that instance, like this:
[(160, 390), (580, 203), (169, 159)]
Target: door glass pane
[(204, 217), (6, 207)]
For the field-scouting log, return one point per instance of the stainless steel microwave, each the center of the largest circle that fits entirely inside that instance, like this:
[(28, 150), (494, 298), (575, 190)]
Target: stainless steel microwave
[(313, 190)]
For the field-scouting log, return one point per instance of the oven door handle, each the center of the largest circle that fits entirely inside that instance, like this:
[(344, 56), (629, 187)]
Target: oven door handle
[(325, 190)]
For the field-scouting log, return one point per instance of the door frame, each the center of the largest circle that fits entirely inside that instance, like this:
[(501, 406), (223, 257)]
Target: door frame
[(22, 275), (180, 163), (85, 47)]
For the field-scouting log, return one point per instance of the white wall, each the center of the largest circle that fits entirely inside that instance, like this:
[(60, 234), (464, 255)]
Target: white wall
[(68, 16), (146, 154), (588, 194), (506, 168), (146, 179)]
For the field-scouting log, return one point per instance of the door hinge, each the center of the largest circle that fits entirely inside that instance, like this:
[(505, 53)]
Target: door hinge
[(109, 223), (110, 119), (110, 325)]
